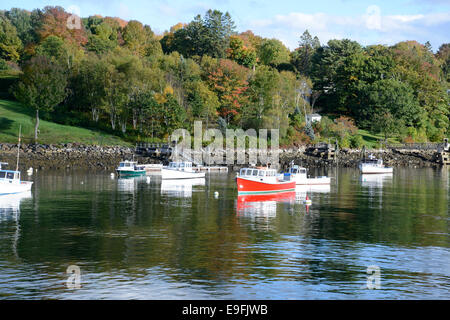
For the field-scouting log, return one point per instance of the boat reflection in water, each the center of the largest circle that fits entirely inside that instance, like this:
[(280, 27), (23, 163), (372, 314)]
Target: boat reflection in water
[(10, 211), (180, 188), (375, 180), (10, 204), (262, 205), (301, 191), (127, 185)]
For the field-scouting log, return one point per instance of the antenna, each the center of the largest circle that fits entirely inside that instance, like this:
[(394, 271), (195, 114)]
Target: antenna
[(18, 149)]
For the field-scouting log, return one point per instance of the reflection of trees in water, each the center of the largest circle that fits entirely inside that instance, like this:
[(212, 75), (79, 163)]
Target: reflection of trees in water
[(110, 231)]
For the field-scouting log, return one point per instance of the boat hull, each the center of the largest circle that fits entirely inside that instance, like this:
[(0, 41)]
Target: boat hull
[(253, 187), (375, 170), (11, 187), (178, 174), (312, 181), (130, 172)]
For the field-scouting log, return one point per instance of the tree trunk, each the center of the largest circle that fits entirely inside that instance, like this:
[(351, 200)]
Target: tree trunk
[(36, 126)]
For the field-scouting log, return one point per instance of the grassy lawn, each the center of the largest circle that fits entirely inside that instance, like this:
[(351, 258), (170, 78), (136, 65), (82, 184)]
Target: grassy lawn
[(13, 114), (370, 139)]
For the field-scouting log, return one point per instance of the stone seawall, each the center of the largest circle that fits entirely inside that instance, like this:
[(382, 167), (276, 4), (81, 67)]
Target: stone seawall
[(75, 156)]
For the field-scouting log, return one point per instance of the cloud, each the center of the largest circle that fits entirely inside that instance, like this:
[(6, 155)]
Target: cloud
[(370, 27)]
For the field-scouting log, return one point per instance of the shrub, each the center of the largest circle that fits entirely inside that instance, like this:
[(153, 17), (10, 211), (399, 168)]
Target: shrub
[(356, 141), (3, 65)]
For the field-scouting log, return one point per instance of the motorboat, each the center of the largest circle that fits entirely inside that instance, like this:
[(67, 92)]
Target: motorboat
[(261, 180), (181, 170), (130, 168), (372, 165), (299, 175), (10, 182)]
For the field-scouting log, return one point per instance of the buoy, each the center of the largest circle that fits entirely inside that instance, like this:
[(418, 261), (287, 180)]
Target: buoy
[(30, 171), (112, 175), (148, 179), (308, 202), (216, 194)]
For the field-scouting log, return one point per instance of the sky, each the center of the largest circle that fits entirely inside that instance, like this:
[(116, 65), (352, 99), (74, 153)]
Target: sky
[(366, 21)]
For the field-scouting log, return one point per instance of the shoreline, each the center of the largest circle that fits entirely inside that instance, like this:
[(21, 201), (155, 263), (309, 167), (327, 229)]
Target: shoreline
[(76, 156)]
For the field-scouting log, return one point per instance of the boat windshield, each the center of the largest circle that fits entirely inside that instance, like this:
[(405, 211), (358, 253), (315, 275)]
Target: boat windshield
[(126, 164), (10, 175)]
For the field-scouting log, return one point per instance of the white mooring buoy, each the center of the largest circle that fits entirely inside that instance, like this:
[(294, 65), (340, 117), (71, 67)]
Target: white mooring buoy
[(148, 179), (216, 194)]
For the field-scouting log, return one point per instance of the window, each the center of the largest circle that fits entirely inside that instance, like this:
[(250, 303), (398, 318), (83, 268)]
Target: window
[(261, 173), (255, 172), (17, 176), (9, 175), (2, 175), (303, 171)]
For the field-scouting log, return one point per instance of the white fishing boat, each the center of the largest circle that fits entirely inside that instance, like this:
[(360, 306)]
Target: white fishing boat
[(300, 176), (10, 179), (372, 165), (181, 170)]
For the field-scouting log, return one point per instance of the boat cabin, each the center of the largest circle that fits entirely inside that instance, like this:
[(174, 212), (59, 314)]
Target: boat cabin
[(127, 164), (259, 174), (297, 170), (180, 166), (9, 175)]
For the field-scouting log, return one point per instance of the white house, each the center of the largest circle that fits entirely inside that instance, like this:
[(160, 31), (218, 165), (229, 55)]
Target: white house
[(313, 117)]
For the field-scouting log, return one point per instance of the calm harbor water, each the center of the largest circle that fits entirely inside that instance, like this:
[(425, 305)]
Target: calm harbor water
[(139, 239)]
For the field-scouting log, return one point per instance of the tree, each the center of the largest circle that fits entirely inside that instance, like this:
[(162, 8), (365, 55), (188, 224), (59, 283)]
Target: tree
[(245, 56), (103, 39), (42, 86), (21, 20), (273, 52), (54, 21), (10, 44), (301, 57), (202, 36)]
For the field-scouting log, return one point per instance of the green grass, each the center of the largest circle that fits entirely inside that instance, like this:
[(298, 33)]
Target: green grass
[(371, 140), (13, 114)]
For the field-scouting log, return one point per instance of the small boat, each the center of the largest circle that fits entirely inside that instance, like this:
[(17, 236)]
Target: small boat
[(10, 179), (299, 175), (261, 181), (130, 168), (373, 165), (181, 170), (10, 182)]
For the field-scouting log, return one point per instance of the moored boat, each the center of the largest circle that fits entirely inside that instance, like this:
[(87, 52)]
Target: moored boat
[(130, 168), (372, 165), (181, 170), (299, 175), (10, 182), (261, 181)]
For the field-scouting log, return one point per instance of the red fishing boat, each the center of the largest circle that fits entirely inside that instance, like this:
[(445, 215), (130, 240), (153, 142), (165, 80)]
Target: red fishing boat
[(261, 181)]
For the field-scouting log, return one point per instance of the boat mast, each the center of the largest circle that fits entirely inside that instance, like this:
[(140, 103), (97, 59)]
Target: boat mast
[(18, 149)]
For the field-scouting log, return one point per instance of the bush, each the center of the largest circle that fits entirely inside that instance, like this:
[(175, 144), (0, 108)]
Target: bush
[(344, 142), (356, 141), (3, 65)]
